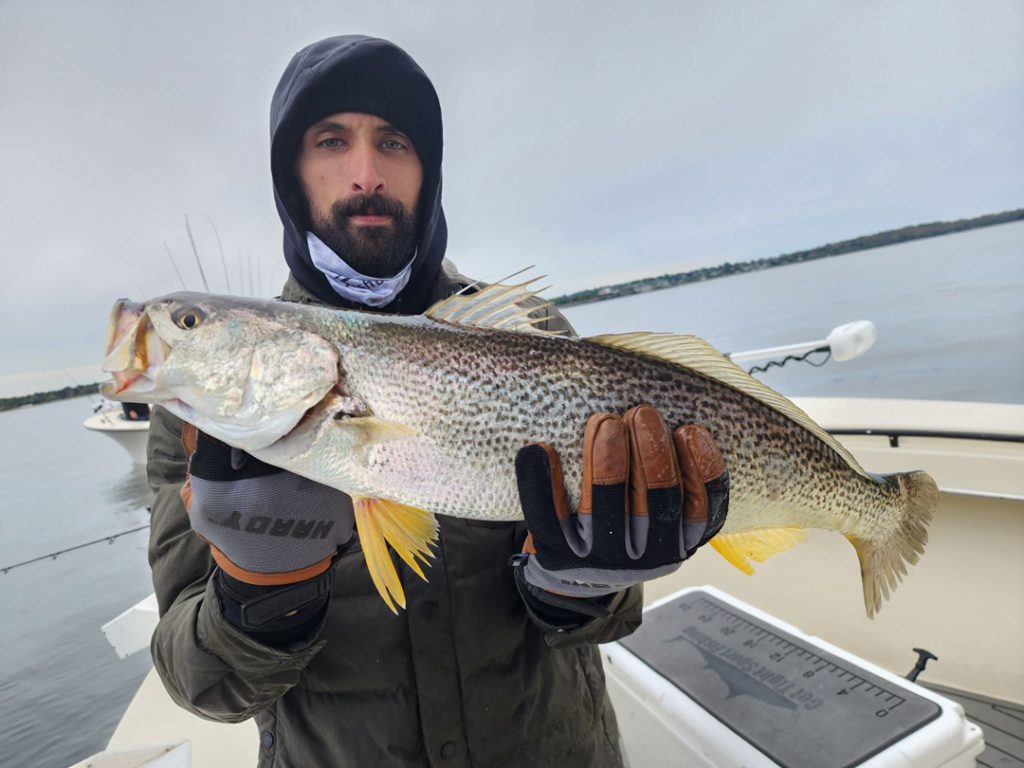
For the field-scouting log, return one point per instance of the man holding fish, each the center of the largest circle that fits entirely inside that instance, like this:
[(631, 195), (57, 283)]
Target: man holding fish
[(272, 611)]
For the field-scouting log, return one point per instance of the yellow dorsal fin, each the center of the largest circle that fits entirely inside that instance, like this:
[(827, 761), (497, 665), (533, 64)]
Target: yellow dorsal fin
[(757, 545), (697, 355), (408, 530), (505, 307)]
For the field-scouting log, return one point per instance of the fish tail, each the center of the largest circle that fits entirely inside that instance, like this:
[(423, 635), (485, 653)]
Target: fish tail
[(408, 530), (883, 561)]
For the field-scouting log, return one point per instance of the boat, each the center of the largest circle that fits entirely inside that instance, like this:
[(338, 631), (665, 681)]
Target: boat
[(130, 435), (961, 608)]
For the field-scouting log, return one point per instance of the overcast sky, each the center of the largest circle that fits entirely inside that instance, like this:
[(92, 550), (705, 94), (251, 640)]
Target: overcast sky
[(600, 140)]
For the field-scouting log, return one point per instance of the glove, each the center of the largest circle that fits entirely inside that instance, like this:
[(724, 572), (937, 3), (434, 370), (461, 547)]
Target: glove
[(265, 526), (649, 499)]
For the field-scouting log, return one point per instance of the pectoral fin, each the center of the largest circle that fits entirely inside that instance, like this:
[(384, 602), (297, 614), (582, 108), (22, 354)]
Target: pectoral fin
[(759, 545), (408, 530), (376, 430)]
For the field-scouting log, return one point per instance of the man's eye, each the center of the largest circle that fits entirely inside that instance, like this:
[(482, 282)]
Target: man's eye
[(331, 143), (392, 144)]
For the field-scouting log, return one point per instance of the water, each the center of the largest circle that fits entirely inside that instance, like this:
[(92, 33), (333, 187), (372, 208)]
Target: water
[(950, 315), (62, 688)]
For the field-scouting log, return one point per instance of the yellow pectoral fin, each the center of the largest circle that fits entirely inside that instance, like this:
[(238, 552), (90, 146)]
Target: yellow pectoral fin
[(376, 430), (757, 545), (408, 530)]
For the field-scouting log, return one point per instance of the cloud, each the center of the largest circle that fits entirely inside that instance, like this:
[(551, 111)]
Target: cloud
[(599, 140)]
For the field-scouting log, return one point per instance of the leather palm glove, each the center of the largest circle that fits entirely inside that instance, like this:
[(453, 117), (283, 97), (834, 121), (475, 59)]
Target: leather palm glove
[(273, 533), (649, 499)]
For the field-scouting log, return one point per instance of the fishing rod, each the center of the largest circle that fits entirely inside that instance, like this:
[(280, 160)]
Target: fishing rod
[(54, 555), (96, 406)]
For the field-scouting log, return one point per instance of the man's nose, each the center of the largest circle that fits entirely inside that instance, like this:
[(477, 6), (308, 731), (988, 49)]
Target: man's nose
[(366, 173)]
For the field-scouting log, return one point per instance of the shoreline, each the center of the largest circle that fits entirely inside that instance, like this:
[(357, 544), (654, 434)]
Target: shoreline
[(670, 280), (50, 396), (857, 244)]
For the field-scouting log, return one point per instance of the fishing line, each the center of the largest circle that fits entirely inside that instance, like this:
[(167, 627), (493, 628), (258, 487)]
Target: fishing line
[(804, 358), (95, 405), (54, 555)]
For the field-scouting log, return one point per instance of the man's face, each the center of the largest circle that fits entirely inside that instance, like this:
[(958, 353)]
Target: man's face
[(362, 180)]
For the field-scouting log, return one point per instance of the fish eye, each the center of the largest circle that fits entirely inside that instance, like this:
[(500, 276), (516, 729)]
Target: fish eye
[(189, 318)]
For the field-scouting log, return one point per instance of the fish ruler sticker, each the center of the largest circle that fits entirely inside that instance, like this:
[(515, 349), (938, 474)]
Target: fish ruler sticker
[(800, 705)]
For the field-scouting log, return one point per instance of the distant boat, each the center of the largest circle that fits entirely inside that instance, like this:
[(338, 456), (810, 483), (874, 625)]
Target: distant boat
[(130, 435)]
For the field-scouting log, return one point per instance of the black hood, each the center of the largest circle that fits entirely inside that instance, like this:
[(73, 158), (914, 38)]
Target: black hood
[(365, 74)]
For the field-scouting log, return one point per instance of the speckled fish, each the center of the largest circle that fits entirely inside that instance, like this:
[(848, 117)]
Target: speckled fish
[(407, 414)]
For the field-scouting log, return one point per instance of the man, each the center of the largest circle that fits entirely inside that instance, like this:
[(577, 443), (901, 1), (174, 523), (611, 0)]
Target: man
[(489, 664), (136, 411)]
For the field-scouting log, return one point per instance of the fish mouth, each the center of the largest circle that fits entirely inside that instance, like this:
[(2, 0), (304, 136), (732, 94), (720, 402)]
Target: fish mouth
[(134, 355)]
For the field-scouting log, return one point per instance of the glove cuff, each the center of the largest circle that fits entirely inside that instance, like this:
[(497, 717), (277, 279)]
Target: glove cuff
[(557, 612), (589, 582), (269, 579), (273, 611)]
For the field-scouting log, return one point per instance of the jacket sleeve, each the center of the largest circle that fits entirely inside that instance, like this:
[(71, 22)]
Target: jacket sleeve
[(208, 666), (625, 613)]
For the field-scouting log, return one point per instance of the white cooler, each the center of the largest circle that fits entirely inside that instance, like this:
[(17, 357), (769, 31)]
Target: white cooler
[(710, 681)]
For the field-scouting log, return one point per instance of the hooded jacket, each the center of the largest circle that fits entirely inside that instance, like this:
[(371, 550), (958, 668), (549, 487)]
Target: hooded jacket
[(354, 73), (468, 676)]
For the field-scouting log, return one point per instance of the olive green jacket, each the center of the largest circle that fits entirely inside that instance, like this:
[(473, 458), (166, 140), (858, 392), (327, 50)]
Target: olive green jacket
[(463, 677)]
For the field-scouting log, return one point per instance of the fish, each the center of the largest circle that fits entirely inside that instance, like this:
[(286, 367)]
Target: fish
[(414, 416)]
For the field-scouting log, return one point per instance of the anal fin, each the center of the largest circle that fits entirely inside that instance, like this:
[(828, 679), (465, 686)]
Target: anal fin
[(758, 545), (408, 530)]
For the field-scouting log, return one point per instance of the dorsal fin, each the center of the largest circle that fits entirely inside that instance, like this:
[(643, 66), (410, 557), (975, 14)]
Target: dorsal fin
[(697, 355), (505, 307)]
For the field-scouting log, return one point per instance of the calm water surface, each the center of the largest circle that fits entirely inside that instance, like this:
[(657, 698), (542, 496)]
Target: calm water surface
[(949, 313), (950, 316), (62, 688)]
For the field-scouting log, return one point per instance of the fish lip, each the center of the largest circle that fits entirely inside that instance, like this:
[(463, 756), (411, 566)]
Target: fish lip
[(135, 352)]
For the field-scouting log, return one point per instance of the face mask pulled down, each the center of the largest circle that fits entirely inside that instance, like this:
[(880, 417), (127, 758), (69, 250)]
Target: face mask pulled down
[(368, 265)]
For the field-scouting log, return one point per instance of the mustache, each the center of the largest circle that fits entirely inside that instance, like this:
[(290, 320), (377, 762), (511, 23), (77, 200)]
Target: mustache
[(370, 205)]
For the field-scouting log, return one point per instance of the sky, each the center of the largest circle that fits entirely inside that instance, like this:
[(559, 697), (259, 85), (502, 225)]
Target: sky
[(601, 141)]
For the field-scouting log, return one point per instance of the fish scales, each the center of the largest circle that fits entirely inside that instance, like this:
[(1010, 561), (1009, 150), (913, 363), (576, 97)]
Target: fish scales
[(419, 415), (474, 396)]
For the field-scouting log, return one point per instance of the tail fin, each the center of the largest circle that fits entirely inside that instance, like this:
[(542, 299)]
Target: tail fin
[(883, 562)]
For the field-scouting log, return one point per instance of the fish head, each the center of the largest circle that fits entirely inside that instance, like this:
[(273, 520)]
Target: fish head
[(235, 368)]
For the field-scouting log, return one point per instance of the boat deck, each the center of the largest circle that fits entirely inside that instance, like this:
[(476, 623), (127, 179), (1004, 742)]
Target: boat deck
[(1002, 723)]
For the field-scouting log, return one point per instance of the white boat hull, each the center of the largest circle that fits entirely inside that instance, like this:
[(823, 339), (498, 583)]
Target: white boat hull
[(130, 435)]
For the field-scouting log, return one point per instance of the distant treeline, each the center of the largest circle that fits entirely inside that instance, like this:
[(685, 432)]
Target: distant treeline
[(901, 235), (9, 403), (864, 243)]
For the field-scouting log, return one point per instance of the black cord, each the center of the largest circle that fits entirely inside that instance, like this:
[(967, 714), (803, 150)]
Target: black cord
[(804, 358)]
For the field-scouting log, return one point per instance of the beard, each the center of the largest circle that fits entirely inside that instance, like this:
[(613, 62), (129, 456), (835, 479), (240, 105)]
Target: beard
[(375, 251)]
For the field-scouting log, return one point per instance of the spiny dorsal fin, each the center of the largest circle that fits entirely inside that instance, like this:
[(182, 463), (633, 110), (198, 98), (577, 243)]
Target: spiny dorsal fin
[(697, 355), (757, 545), (505, 307)]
